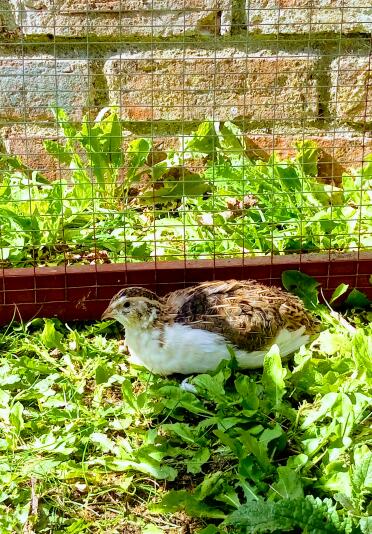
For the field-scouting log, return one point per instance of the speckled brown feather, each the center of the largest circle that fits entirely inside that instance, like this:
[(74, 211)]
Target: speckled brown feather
[(246, 313), (134, 291)]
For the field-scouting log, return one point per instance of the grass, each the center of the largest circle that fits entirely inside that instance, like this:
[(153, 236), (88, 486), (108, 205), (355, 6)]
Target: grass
[(207, 199), (88, 444)]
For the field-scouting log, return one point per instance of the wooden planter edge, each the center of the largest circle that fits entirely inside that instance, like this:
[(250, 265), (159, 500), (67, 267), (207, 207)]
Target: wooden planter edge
[(82, 292)]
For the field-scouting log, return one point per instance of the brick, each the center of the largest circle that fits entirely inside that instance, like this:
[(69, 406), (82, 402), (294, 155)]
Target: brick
[(338, 154), (30, 87), (26, 142), (351, 89), (7, 19), (305, 16), (73, 18), (194, 85)]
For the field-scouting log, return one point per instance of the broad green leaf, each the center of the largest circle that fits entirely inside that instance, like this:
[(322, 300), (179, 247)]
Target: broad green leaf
[(112, 138), (184, 431), (189, 185), (229, 496), (137, 154), (362, 351), (103, 373), (324, 408), (303, 286), (203, 141), (357, 299), (247, 389), (288, 178), (289, 485), (362, 475), (103, 441), (173, 397), (51, 338), (77, 526), (233, 444), (257, 448), (231, 140), (212, 385), (41, 467), (367, 167), (307, 156), (199, 458), (172, 502), (23, 223), (273, 377), (296, 462), (269, 434), (128, 395), (149, 467), (183, 500), (331, 342), (211, 485), (340, 290), (59, 151), (16, 417), (365, 524)]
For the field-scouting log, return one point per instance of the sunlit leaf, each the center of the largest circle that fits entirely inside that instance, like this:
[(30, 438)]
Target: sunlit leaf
[(273, 376), (303, 286), (340, 290)]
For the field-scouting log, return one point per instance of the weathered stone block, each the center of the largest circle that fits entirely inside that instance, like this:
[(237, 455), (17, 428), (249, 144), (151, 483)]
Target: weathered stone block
[(30, 87), (305, 16), (195, 85), (73, 18), (351, 89)]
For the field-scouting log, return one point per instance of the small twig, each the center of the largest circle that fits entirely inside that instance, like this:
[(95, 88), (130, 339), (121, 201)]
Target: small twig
[(34, 497), (34, 506), (350, 328)]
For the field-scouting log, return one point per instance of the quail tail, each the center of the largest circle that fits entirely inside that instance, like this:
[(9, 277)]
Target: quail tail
[(287, 341)]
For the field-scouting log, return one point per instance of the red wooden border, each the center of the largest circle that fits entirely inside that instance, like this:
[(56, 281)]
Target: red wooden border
[(82, 292)]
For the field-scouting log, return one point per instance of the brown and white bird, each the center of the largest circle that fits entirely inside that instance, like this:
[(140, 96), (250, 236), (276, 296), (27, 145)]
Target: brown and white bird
[(189, 330)]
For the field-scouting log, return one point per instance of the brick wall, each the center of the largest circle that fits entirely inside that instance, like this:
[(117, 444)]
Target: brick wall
[(283, 69)]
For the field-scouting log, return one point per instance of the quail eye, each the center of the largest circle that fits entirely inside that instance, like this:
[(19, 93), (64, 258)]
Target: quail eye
[(126, 304)]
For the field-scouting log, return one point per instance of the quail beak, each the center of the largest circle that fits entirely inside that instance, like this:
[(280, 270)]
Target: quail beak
[(107, 314)]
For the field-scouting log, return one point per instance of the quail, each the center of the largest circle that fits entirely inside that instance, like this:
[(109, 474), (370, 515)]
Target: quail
[(190, 330)]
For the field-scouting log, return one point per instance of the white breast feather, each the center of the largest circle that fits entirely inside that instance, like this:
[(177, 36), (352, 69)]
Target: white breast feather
[(187, 350)]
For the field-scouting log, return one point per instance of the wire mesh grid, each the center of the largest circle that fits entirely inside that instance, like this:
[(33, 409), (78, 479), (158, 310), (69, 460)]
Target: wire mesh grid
[(182, 131)]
